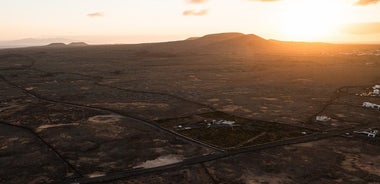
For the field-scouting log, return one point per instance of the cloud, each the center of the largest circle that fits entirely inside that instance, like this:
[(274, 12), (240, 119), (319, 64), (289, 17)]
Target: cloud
[(196, 1), (195, 12), (366, 2), (96, 14), (266, 0), (362, 28)]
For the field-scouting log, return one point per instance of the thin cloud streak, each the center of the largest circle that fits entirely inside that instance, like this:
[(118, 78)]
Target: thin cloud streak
[(366, 2), (95, 14), (195, 12), (268, 0), (264, 1), (196, 1)]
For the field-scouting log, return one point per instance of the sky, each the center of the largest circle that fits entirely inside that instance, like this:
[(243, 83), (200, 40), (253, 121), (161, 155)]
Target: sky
[(135, 21)]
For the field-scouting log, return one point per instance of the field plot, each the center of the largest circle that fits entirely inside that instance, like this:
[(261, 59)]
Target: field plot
[(213, 128)]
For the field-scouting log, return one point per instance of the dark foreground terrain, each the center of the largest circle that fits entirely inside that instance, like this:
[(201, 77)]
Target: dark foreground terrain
[(149, 113)]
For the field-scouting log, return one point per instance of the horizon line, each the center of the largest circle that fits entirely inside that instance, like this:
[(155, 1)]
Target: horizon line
[(5, 44)]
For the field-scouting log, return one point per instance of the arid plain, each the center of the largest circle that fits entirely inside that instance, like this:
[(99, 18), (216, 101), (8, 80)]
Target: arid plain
[(149, 113)]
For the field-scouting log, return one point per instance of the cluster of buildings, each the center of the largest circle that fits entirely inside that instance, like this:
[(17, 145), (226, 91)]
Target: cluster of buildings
[(373, 52), (374, 92), (376, 89), (370, 133), (208, 124)]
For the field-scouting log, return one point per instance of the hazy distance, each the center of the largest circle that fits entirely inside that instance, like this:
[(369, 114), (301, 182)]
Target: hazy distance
[(127, 21)]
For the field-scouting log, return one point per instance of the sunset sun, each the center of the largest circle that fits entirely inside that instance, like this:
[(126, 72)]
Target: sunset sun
[(310, 20)]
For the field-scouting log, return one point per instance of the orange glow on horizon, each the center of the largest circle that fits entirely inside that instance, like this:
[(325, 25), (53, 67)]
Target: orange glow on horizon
[(98, 21)]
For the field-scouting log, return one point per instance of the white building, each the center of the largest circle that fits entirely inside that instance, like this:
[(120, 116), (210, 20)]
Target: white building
[(225, 122), (376, 91), (371, 105), (370, 133), (322, 118)]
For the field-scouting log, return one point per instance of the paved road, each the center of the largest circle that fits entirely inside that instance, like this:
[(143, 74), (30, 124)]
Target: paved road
[(210, 157)]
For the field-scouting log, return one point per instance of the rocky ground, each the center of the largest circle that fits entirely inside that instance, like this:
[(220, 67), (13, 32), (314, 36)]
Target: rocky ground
[(76, 114)]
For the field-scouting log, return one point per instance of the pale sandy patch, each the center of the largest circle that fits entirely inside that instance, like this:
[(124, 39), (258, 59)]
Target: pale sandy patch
[(110, 118), (138, 105), (43, 127), (302, 80), (249, 178), (213, 100), (230, 108), (96, 174), (160, 161), (269, 98), (340, 115), (194, 78)]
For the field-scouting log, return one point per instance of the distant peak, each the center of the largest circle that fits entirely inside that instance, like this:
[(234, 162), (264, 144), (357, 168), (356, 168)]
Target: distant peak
[(193, 38), (230, 36), (77, 44), (217, 37), (224, 35), (56, 45), (254, 36)]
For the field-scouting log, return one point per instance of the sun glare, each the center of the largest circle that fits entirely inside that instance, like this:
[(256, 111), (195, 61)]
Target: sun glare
[(310, 20)]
